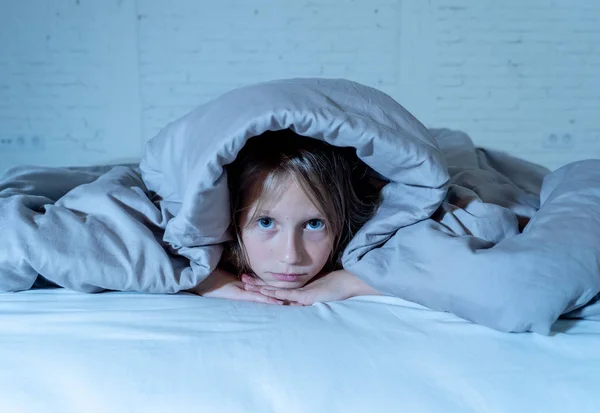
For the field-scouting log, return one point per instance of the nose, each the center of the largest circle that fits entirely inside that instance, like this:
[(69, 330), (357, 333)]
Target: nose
[(293, 249)]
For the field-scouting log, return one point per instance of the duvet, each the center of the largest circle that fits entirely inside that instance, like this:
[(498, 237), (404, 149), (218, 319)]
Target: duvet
[(489, 237)]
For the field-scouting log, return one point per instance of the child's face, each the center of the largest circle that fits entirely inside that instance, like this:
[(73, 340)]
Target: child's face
[(288, 244)]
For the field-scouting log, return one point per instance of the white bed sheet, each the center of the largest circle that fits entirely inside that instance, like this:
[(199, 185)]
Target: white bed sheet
[(62, 351)]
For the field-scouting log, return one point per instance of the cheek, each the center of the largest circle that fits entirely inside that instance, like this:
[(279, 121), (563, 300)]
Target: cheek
[(255, 248), (319, 248)]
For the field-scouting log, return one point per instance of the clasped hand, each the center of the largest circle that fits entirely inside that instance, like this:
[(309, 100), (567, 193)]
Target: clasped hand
[(337, 285)]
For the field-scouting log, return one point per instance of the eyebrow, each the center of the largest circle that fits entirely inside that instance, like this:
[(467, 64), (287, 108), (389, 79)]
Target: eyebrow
[(267, 212)]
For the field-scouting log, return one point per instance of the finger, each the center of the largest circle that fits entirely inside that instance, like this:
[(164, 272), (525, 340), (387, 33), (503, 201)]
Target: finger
[(260, 298), (251, 287), (294, 295), (252, 280)]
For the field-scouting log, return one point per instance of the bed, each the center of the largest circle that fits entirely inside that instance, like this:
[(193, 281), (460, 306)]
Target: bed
[(63, 351)]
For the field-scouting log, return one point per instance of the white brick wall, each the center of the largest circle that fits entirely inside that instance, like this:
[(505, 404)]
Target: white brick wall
[(69, 89), (521, 75), (226, 44), (83, 81)]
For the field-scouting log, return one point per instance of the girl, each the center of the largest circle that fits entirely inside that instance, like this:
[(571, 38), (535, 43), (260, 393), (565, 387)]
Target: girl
[(295, 204)]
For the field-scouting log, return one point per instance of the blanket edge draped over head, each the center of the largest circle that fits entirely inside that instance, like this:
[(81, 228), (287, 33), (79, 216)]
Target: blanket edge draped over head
[(184, 162)]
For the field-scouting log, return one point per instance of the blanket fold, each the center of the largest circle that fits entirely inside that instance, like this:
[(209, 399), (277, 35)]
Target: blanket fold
[(492, 238), (90, 231)]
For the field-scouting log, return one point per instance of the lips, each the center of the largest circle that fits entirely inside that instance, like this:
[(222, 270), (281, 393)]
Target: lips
[(287, 277)]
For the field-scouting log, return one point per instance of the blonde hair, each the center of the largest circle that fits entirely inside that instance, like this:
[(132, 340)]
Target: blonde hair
[(338, 183)]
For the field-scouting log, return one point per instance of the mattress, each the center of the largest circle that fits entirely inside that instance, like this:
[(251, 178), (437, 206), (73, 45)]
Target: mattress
[(62, 351)]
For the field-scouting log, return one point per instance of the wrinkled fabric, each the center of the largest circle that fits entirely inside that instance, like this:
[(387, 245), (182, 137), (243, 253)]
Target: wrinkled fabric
[(489, 237)]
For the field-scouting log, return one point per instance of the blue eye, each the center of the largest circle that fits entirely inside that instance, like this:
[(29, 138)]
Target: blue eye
[(265, 223), (315, 224)]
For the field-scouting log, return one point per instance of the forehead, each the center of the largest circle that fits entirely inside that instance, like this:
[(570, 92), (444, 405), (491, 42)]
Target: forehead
[(285, 199), (288, 197)]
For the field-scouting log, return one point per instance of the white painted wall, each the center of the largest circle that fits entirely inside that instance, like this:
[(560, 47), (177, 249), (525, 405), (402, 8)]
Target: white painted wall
[(88, 81)]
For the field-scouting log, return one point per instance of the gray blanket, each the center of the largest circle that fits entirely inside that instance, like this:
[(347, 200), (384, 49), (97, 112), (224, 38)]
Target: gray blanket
[(491, 238)]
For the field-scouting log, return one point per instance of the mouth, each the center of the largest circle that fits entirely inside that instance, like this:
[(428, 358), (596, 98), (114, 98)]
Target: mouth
[(287, 277)]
